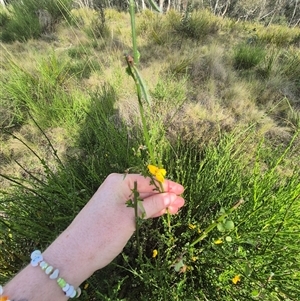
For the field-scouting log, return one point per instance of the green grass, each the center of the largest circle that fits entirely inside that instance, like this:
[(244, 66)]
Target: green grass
[(248, 56), (218, 122)]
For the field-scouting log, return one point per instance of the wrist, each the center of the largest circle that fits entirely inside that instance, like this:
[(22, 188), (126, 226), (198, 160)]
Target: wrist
[(69, 256), (37, 260)]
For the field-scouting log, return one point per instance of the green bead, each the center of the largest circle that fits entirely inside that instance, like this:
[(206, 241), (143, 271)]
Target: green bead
[(61, 282)]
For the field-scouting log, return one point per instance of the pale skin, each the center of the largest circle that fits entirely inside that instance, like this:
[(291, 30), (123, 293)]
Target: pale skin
[(95, 237)]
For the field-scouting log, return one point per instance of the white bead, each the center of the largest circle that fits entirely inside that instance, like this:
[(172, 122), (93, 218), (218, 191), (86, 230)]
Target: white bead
[(43, 265), (1, 290), (49, 270), (70, 291), (78, 292), (55, 274), (35, 261), (73, 294), (66, 287), (35, 254)]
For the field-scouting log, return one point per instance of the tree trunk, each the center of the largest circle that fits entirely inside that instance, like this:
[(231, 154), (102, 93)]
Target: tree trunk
[(262, 9), (216, 6), (225, 9), (161, 4), (294, 12), (169, 5), (276, 10)]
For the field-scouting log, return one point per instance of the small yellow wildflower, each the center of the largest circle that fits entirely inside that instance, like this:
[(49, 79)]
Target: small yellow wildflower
[(192, 227), (154, 253), (218, 241), (236, 279), (86, 286), (159, 173), (194, 258)]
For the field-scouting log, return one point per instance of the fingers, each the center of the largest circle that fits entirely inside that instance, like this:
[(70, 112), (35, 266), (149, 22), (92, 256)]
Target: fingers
[(157, 204), (144, 186)]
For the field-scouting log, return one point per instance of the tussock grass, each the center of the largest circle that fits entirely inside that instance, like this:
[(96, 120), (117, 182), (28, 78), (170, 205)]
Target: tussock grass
[(279, 35), (248, 56), (224, 121)]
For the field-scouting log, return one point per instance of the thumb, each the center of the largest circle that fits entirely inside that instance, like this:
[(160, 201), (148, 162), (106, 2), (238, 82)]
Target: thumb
[(157, 203)]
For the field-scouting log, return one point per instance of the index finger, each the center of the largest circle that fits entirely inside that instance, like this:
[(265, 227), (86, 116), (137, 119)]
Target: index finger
[(144, 187)]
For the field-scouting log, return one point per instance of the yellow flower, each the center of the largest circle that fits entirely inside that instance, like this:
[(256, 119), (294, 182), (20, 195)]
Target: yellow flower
[(159, 173), (154, 253), (236, 279), (192, 227), (218, 241), (194, 258)]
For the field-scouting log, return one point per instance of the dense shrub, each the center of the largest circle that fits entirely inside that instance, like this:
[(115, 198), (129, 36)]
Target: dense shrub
[(197, 24), (247, 56)]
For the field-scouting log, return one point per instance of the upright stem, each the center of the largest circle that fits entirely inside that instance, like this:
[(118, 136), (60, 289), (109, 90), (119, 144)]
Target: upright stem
[(138, 87), (133, 34), (137, 224)]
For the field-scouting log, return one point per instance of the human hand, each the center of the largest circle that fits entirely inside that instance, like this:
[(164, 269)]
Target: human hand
[(102, 228)]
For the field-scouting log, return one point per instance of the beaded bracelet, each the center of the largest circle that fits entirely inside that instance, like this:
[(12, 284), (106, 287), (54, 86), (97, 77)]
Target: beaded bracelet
[(69, 290), (2, 297)]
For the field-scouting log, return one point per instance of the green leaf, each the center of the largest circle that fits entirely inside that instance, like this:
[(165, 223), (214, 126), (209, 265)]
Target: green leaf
[(229, 225), (179, 265), (220, 227), (129, 203), (228, 238), (248, 270), (142, 84), (222, 210), (138, 55), (255, 293), (154, 5)]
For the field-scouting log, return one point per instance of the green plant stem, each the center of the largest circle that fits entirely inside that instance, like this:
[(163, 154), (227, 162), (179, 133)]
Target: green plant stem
[(145, 129), (138, 82), (133, 33), (169, 220), (214, 224), (137, 225)]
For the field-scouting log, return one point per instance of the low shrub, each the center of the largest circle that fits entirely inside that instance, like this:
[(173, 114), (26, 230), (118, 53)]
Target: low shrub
[(247, 56), (278, 35), (197, 24)]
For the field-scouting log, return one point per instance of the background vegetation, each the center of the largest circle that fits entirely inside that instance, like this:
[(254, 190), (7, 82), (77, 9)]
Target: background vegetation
[(224, 120)]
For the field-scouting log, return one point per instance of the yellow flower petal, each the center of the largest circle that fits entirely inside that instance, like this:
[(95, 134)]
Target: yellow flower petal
[(162, 171), (236, 279), (218, 241), (159, 173), (159, 177), (192, 227), (152, 169), (154, 253)]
